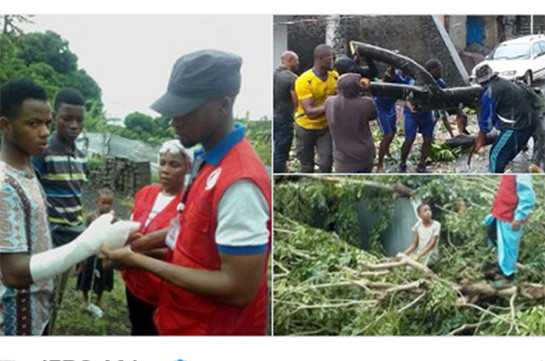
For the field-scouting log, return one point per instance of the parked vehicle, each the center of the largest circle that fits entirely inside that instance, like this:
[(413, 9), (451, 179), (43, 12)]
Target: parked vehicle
[(518, 59)]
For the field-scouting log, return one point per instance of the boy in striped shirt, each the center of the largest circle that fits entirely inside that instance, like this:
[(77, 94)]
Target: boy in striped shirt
[(61, 170)]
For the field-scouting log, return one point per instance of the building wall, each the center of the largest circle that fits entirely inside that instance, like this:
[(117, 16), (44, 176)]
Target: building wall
[(367, 220), (456, 27), (539, 24), (491, 32), (398, 235), (415, 36), (280, 34)]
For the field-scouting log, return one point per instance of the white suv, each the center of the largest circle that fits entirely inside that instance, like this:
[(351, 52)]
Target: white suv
[(522, 58)]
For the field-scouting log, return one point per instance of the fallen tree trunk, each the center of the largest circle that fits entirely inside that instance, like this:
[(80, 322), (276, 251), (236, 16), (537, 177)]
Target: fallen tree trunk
[(476, 290), (402, 260), (425, 94), (484, 290), (398, 187), (532, 291), (529, 291), (425, 99), (366, 293), (404, 63), (469, 140)]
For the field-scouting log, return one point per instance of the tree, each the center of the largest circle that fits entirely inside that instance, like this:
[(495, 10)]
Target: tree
[(163, 128), (335, 34), (10, 65), (87, 86), (143, 127), (46, 58), (44, 75), (140, 123), (9, 23), (325, 284), (47, 48)]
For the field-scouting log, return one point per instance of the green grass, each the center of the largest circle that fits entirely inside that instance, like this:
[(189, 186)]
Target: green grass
[(73, 319), (259, 134)]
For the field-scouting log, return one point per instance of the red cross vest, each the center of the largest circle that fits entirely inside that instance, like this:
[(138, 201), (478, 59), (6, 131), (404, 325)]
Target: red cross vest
[(185, 313), (142, 284), (506, 199)]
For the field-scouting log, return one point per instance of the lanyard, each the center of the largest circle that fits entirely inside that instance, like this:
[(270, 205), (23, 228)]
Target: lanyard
[(197, 165)]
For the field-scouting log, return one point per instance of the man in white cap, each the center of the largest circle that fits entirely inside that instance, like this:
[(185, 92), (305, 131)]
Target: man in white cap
[(505, 107), (217, 269)]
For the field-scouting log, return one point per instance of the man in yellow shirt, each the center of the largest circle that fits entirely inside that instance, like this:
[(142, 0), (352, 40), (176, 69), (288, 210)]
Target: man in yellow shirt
[(311, 131)]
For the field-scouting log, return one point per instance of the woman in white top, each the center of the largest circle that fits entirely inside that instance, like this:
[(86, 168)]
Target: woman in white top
[(424, 246), (154, 208)]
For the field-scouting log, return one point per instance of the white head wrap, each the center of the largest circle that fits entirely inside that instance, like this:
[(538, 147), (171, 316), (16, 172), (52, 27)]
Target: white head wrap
[(174, 146)]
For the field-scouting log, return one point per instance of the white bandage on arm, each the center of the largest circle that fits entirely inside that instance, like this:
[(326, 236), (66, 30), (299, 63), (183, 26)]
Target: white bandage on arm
[(56, 261), (100, 232)]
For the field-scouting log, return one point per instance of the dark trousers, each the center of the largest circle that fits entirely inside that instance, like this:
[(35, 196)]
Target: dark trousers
[(60, 236), (364, 170), (506, 147), (283, 137), (141, 316), (306, 140)]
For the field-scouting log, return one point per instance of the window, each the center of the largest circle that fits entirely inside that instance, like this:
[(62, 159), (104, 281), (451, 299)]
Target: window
[(512, 51), (536, 49), (542, 47)]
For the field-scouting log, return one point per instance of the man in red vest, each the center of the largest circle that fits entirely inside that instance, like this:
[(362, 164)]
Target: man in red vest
[(512, 205), (215, 282)]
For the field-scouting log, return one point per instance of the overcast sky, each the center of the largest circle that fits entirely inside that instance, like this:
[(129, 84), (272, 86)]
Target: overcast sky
[(131, 56)]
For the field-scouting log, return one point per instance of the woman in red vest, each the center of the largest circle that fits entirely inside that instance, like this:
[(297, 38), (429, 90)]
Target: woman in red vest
[(512, 205), (154, 207)]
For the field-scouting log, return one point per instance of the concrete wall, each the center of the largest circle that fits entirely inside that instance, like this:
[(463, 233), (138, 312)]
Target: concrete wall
[(456, 27), (491, 32), (280, 34), (539, 24), (304, 36), (397, 237), (415, 36), (367, 220)]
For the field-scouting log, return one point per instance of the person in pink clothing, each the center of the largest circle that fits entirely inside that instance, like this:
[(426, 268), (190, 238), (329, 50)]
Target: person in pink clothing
[(348, 116)]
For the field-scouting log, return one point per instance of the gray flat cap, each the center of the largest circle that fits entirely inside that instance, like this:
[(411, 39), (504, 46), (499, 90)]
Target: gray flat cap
[(198, 77)]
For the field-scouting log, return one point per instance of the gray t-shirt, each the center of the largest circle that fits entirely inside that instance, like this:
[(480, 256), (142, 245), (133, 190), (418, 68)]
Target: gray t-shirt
[(284, 83)]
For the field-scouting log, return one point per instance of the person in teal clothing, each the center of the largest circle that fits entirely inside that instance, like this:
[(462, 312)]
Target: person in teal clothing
[(512, 206)]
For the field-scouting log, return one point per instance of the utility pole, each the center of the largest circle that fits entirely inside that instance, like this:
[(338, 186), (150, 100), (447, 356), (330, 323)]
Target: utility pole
[(335, 34)]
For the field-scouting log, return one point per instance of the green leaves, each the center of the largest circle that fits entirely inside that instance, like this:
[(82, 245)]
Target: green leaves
[(322, 284), (47, 59), (259, 134), (48, 48), (441, 153)]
